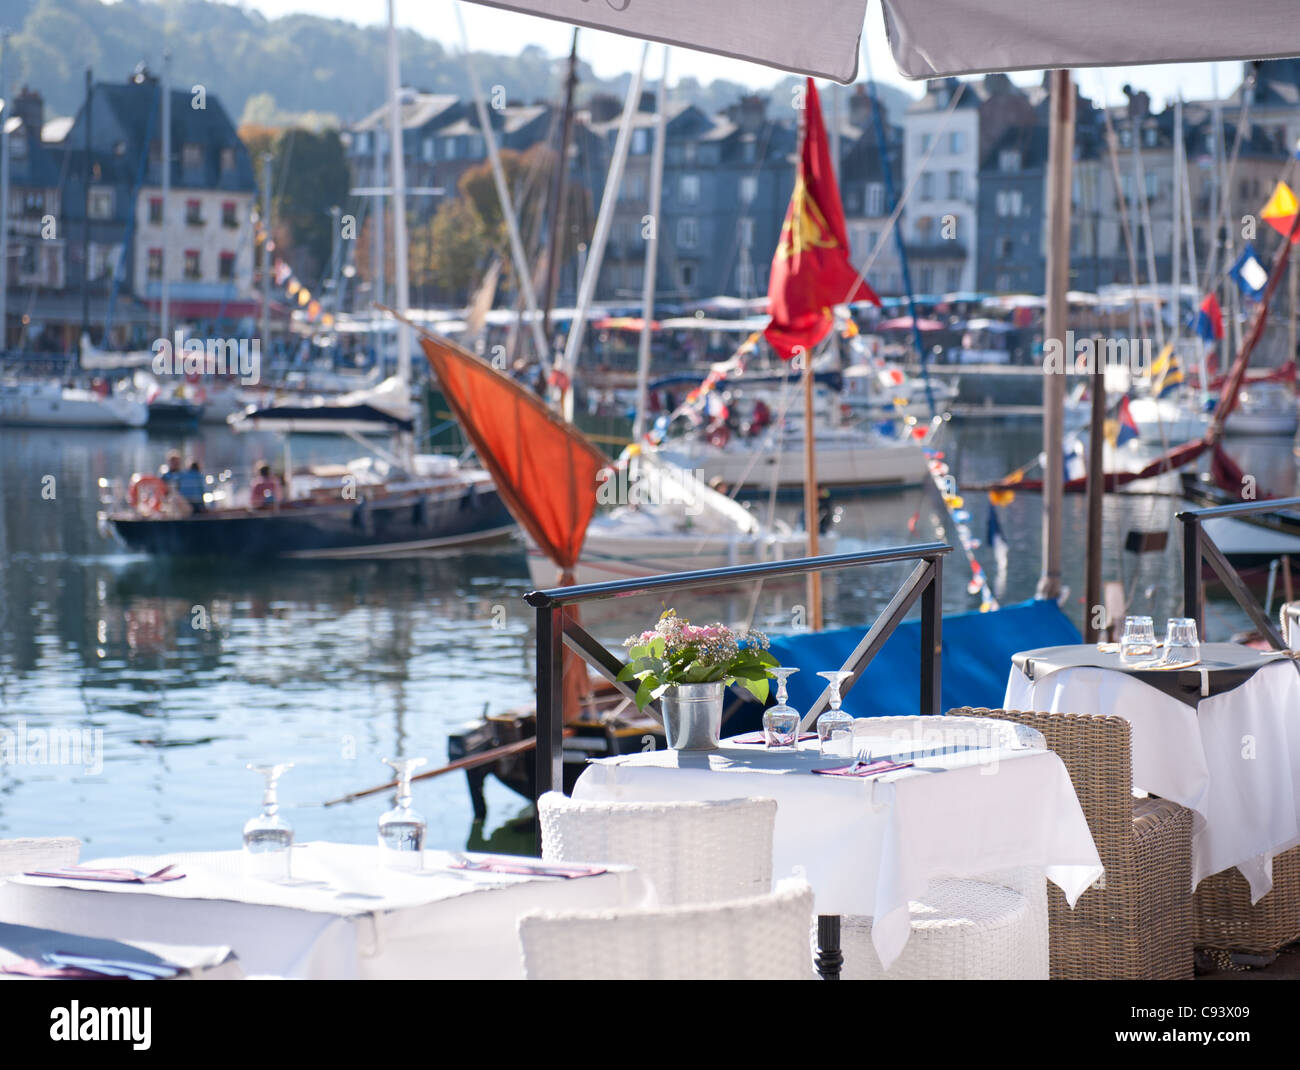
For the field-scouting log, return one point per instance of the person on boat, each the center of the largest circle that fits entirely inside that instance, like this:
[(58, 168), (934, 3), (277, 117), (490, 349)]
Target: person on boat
[(761, 418), (265, 491), (191, 486), (171, 471)]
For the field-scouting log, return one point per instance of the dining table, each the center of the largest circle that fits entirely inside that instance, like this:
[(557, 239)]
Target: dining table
[(1220, 737), (342, 913), (870, 844)]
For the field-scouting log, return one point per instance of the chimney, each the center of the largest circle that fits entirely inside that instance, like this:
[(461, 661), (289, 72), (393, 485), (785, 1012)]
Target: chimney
[(1139, 103), (29, 106), (752, 112), (604, 107)]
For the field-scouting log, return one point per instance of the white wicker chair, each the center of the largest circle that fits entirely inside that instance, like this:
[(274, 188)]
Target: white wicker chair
[(19, 856), (761, 938), (690, 852), (971, 929)]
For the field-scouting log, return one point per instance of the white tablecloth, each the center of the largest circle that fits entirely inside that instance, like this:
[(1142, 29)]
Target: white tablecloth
[(344, 915), (1234, 760), (867, 847)]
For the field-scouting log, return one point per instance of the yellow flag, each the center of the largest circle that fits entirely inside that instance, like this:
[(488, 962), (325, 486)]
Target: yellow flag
[(1280, 212)]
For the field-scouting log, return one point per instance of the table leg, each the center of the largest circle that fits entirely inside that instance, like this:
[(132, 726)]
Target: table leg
[(829, 957)]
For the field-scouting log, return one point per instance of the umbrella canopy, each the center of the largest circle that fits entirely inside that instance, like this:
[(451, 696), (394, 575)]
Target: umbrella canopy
[(930, 38)]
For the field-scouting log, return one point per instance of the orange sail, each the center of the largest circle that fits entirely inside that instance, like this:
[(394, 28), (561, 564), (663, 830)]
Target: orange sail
[(545, 470)]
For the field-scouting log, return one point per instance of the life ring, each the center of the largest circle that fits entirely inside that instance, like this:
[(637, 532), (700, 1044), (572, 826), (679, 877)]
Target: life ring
[(153, 499)]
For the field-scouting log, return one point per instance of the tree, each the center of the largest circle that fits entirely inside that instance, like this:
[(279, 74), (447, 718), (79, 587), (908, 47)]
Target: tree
[(457, 248)]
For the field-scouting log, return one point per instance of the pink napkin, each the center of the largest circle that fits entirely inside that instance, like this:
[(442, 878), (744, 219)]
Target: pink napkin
[(867, 769), (758, 737), (32, 968), (523, 867), (115, 876)]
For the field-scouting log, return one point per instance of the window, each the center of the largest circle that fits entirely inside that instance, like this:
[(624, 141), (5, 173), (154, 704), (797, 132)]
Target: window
[(449, 148), (1150, 137), (155, 210), (1006, 248), (191, 157), (1009, 203), (362, 143), (227, 161), (193, 213), (1009, 160), (748, 189), (926, 279), (32, 203), (925, 231), (155, 264), (101, 204), (956, 142), (875, 198), (688, 233), (749, 151), (925, 142), (192, 264), (686, 276), (426, 150), (745, 229), (228, 217), (640, 142), (634, 186), (227, 270), (927, 186), (954, 279), (690, 189), (954, 185), (1153, 187)]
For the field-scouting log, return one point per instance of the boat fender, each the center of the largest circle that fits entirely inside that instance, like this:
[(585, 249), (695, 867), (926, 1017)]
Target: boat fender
[(152, 501)]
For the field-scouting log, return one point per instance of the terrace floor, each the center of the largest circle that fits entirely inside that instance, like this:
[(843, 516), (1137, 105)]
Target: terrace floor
[(1286, 967)]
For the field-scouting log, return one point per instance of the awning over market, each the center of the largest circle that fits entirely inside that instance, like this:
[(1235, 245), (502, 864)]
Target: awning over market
[(930, 38)]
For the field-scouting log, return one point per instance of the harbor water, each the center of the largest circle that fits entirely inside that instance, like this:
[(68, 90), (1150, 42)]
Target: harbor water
[(174, 676)]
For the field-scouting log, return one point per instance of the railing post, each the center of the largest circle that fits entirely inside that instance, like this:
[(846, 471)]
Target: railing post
[(1192, 602), (550, 704), (932, 639)]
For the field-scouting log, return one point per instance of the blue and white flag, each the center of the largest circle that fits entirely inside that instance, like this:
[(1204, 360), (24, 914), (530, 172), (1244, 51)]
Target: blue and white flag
[(1250, 275)]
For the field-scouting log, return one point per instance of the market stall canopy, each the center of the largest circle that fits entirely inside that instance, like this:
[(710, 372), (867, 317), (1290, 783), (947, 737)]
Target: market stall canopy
[(932, 38)]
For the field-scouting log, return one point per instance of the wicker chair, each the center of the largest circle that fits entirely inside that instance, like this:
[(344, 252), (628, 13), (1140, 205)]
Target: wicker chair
[(1225, 919), (19, 856), (759, 938), (1136, 922), (691, 852)]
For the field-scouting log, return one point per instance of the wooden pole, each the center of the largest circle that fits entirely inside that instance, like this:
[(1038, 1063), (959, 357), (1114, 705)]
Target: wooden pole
[(1060, 162), (1096, 495), (810, 510)]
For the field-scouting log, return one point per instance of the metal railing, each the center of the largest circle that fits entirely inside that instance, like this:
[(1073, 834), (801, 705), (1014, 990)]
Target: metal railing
[(557, 629), (1198, 546)]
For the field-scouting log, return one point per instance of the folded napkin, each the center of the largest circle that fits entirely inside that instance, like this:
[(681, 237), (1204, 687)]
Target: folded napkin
[(759, 737), (32, 968), (864, 769), (523, 867), (114, 876)]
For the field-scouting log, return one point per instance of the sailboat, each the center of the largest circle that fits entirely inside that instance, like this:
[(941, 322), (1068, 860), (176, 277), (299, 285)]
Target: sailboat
[(50, 403)]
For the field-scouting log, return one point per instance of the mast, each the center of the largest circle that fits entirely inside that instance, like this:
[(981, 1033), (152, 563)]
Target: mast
[(164, 303), (1176, 255), (604, 220), (266, 253), (1144, 220), (555, 237), (1060, 163), (85, 213), (401, 297), (4, 191), (651, 252)]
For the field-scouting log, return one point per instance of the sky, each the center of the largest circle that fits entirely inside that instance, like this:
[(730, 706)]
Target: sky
[(493, 30)]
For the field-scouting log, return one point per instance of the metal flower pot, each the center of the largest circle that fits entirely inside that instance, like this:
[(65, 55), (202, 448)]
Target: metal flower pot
[(692, 716)]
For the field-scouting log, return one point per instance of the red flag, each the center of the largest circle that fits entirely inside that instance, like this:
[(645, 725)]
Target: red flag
[(811, 271)]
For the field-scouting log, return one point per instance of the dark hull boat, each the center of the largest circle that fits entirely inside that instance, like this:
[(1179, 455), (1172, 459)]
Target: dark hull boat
[(393, 520)]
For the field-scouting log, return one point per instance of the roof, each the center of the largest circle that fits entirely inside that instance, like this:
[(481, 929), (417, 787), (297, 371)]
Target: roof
[(418, 110)]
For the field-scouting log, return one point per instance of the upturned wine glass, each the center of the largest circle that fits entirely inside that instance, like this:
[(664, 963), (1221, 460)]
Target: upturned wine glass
[(268, 837), (402, 829), (835, 727), (781, 722), (1138, 642), (1182, 641)]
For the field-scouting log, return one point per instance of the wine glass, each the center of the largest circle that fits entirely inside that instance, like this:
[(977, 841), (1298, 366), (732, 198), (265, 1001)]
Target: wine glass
[(1182, 643), (268, 837), (1139, 640), (781, 722), (835, 727), (401, 829)]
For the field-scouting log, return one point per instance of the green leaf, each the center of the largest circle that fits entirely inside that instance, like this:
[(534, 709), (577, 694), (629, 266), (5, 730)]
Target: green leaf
[(646, 693), (758, 688)]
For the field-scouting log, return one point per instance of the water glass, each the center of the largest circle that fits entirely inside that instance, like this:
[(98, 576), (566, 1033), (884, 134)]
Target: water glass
[(268, 837), (835, 726), (1182, 641), (1139, 641)]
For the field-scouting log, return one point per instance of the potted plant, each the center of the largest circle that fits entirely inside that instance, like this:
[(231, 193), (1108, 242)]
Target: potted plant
[(690, 667)]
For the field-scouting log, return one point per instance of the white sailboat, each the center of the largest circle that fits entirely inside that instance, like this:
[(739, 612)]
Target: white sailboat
[(50, 403)]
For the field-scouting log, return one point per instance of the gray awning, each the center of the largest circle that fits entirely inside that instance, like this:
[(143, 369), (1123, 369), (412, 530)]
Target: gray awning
[(930, 38)]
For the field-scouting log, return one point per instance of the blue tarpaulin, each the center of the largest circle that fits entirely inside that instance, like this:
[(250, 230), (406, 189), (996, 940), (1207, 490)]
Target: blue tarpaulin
[(977, 649)]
